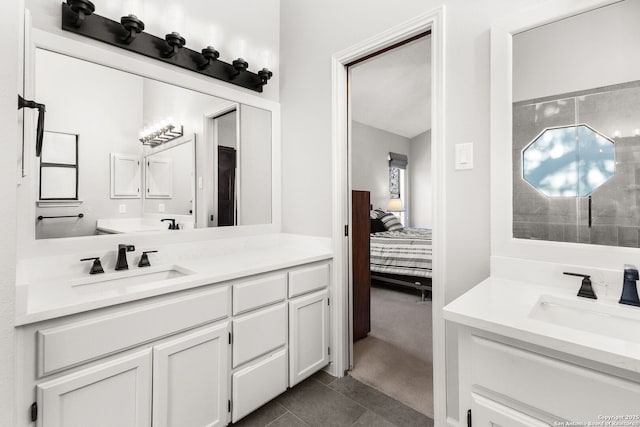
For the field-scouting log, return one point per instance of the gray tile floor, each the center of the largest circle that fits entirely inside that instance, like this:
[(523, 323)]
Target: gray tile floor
[(323, 400)]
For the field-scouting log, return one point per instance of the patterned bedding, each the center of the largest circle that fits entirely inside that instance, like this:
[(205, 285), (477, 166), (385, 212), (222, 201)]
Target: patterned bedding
[(407, 252)]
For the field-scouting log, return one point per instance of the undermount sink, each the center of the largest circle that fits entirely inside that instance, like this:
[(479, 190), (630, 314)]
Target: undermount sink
[(138, 278), (589, 316)]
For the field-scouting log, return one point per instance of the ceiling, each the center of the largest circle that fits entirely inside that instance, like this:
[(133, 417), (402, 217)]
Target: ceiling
[(392, 91)]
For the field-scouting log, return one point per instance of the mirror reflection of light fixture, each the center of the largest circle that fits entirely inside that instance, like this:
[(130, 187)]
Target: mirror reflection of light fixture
[(395, 205), (160, 133)]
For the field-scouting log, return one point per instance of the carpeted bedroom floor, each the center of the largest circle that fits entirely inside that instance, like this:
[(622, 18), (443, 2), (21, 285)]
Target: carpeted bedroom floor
[(396, 357)]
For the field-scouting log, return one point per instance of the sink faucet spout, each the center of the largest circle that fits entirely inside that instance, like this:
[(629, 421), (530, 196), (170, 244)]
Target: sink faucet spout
[(121, 263)]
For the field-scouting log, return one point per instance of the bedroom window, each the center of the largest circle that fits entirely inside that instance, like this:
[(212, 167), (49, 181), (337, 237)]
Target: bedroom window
[(398, 186)]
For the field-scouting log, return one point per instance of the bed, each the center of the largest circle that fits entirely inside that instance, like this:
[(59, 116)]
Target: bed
[(402, 257)]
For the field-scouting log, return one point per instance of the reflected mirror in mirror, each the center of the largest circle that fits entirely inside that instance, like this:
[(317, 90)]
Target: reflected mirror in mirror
[(568, 161), (123, 152), (576, 129)]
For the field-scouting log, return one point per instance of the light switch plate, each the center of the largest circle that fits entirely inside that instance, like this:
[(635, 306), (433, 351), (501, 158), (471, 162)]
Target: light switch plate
[(122, 208), (160, 207), (464, 156)]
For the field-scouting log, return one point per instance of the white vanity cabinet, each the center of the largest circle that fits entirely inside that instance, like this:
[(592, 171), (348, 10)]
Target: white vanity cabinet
[(199, 357), (114, 393), (308, 322), (190, 386), (505, 382), (259, 342)]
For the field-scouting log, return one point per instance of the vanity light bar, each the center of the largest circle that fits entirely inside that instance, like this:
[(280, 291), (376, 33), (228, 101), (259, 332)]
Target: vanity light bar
[(78, 18), (159, 134)]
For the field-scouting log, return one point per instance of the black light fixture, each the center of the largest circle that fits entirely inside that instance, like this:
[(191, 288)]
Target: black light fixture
[(210, 55), (265, 74), (82, 8), (239, 65), (133, 25), (129, 34), (176, 42)]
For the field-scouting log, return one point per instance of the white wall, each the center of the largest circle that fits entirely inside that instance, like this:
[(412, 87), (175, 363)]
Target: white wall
[(8, 122), (183, 181), (597, 48), (370, 160), (421, 199), (188, 108), (103, 107), (310, 33), (242, 28), (255, 166)]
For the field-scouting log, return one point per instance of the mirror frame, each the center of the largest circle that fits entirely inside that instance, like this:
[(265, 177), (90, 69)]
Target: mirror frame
[(91, 51), (504, 247)]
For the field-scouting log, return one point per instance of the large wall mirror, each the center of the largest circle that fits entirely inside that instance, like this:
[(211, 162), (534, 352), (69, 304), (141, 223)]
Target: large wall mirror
[(576, 128), (124, 154)]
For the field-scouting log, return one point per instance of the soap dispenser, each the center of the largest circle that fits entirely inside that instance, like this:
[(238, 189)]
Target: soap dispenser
[(629, 289)]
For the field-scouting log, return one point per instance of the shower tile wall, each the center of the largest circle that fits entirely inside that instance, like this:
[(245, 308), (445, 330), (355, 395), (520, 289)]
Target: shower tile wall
[(613, 111)]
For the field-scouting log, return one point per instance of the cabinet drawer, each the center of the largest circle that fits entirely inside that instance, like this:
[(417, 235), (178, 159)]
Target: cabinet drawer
[(308, 279), (68, 345), (258, 333), (257, 384), (550, 385), (259, 292)]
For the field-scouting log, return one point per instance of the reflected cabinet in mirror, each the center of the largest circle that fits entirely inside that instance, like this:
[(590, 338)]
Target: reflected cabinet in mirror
[(576, 129), (122, 153)]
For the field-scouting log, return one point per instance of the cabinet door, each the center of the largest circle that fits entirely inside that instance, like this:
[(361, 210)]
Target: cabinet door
[(308, 335), (488, 413), (258, 383), (190, 381), (115, 393)]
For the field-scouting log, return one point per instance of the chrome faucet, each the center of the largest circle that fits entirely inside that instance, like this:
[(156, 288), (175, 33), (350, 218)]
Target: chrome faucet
[(122, 264), (629, 288)]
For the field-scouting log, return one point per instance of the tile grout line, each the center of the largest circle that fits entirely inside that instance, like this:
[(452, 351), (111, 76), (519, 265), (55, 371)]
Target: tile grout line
[(277, 418), (301, 420)]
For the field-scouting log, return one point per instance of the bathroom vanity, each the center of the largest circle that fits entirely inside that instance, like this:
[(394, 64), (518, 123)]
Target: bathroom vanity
[(204, 340), (533, 355)]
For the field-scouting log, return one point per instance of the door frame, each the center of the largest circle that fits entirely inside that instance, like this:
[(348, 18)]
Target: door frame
[(210, 151), (342, 316)]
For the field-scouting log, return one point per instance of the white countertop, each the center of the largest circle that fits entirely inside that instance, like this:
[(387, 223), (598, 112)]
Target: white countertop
[(505, 307), (41, 299)]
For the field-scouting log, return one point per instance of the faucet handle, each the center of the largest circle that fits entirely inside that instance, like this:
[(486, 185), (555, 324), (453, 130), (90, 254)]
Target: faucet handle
[(96, 267), (586, 290), (128, 248), (144, 259)]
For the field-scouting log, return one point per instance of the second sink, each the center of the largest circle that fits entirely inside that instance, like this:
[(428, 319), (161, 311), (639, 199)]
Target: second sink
[(596, 318)]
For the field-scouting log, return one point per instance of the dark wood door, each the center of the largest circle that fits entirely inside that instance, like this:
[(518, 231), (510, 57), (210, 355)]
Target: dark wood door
[(226, 186), (361, 228)]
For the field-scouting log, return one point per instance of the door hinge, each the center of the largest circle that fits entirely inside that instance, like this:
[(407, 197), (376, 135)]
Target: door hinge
[(229, 337), (229, 405), (346, 230), (329, 351), (34, 411), (469, 418), (328, 301)]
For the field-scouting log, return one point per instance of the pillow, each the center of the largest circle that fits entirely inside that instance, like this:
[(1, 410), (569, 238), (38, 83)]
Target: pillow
[(391, 222), (377, 226), (373, 214)]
